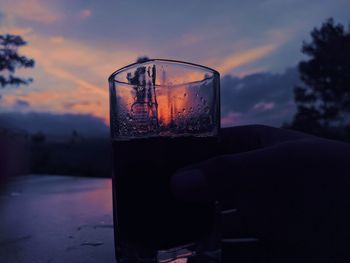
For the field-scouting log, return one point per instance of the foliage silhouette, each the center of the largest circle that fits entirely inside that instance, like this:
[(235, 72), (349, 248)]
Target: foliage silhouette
[(10, 61), (142, 59), (323, 101)]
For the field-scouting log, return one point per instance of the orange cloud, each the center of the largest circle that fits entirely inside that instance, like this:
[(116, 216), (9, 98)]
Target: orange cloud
[(241, 58), (5, 29), (33, 10), (245, 53), (68, 73), (60, 100), (57, 39), (85, 13)]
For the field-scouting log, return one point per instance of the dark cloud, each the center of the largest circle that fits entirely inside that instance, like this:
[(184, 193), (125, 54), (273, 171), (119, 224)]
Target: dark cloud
[(261, 98), (71, 105), (22, 104), (55, 124)]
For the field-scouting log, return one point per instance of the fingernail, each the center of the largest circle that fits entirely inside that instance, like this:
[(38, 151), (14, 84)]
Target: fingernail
[(191, 186)]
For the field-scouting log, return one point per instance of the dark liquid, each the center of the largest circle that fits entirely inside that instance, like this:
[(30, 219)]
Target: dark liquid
[(147, 215)]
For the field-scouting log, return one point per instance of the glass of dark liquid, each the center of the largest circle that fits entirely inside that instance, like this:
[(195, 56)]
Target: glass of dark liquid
[(164, 115)]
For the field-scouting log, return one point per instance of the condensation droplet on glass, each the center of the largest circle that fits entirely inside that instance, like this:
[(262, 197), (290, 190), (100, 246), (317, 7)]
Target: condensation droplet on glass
[(185, 94), (184, 110), (206, 109)]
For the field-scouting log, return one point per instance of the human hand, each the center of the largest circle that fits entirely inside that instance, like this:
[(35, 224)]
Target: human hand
[(291, 191)]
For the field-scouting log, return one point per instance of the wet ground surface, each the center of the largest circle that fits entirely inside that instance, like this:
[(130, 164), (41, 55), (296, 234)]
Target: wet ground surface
[(56, 219)]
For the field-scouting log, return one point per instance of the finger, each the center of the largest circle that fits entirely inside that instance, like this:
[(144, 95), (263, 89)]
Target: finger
[(251, 137)]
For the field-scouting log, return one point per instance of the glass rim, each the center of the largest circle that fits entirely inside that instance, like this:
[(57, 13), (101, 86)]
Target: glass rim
[(118, 71)]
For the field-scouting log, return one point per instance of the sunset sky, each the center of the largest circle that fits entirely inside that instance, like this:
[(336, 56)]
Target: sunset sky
[(77, 44)]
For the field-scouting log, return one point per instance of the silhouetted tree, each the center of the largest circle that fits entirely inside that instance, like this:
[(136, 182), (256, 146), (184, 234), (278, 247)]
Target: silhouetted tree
[(38, 137), (142, 59), (323, 102), (10, 60)]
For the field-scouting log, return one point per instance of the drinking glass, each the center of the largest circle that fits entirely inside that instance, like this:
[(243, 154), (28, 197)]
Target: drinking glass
[(164, 115)]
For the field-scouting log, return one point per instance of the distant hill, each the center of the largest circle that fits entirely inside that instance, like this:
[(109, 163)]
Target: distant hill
[(55, 125)]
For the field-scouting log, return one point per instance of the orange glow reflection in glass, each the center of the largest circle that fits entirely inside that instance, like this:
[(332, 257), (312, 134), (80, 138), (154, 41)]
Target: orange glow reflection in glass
[(171, 101)]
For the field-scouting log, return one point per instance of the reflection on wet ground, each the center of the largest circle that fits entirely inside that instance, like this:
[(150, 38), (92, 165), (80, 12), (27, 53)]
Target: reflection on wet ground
[(56, 219)]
